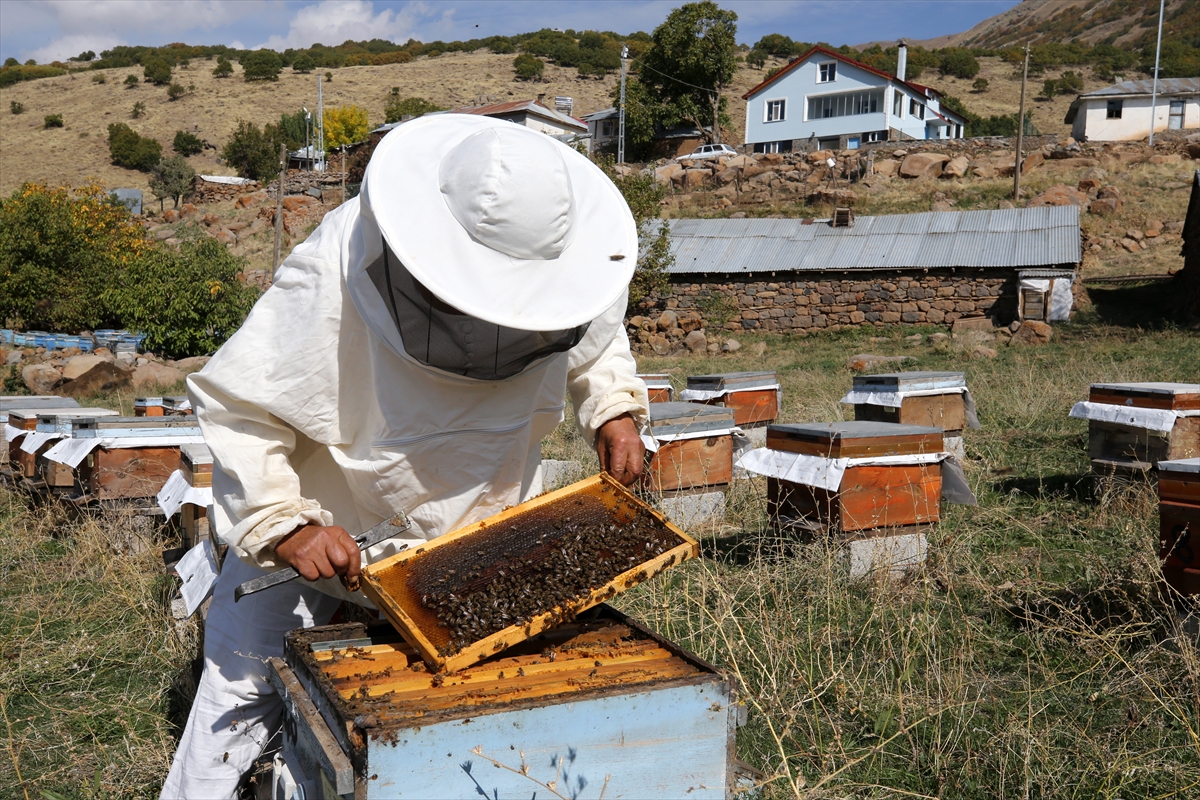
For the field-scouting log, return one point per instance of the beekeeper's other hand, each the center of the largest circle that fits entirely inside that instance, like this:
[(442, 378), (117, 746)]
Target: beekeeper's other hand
[(317, 552), (620, 449)]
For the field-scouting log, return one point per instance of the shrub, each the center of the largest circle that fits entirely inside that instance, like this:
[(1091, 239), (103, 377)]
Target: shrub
[(29, 72), (139, 108), (959, 62), (99, 79), (304, 64), (252, 152), (397, 109), (157, 71), (528, 67), (261, 65), (131, 151), (131, 81), (15, 107), (1049, 87), (223, 69), (11, 62), (1070, 82), (979, 86), (187, 144), (52, 121), (175, 91), (172, 178), (756, 59), (329, 77), (345, 125), (61, 250), (188, 302)]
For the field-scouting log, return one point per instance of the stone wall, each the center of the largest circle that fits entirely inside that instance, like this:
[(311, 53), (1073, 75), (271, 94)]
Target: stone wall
[(822, 302)]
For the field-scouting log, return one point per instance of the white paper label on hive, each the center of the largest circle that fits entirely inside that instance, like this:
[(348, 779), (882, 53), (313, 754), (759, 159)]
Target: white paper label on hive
[(198, 572)]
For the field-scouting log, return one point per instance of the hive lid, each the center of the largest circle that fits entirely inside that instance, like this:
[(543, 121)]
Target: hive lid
[(471, 593), (146, 402), (1181, 465), (1170, 396), (656, 380), (66, 420), (910, 381), (196, 455), (854, 439), (676, 418), (177, 402), (13, 402), (372, 671), (732, 381)]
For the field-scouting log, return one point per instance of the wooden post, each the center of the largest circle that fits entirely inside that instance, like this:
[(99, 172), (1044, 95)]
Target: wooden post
[(279, 210), (1020, 132)]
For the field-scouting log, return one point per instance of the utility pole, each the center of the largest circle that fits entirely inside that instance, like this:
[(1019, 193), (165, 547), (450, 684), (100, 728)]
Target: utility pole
[(321, 122), (279, 210), (1020, 131), (1154, 91), (621, 117)]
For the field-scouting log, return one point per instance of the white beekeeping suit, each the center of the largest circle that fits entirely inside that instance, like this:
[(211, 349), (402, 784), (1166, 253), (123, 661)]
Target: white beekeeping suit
[(319, 411)]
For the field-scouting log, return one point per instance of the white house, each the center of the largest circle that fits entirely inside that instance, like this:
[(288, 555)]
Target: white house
[(531, 114), (1121, 112), (824, 99), (603, 125)]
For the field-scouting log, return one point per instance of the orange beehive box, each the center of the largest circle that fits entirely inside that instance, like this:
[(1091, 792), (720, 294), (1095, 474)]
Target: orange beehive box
[(658, 386), (743, 392), (703, 459), (1168, 396), (1179, 523)]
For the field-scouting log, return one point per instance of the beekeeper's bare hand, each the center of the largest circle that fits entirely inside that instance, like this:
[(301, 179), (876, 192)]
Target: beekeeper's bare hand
[(620, 449), (317, 552)]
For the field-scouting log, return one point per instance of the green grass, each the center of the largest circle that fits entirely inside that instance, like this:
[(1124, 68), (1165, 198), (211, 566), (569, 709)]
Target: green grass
[(1033, 655)]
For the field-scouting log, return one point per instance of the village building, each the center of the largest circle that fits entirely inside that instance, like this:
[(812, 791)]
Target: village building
[(1121, 112), (791, 275), (532, 114), (824, 100), (604, 130)]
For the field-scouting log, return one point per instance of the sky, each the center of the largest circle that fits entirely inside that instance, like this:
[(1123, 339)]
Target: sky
[(57, 29)]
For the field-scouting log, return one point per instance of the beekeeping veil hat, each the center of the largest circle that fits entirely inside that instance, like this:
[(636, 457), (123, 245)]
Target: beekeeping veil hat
[(501, 222)]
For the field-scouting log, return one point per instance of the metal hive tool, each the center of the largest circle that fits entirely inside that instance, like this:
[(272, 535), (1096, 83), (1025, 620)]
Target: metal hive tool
[(474, 592)]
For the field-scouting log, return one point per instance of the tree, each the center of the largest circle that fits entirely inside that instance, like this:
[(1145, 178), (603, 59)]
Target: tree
[(187, 144), (294, 128), (129, 150), (979, 86), (11, 62), (261, 65), (528, 67), (641, 118), (398, 109), (776, 44), (959, 62), (172, 178), (304, 64), (1049, 87), (86, 55), (756, 59), (1070, 82), (139, 108), (157, 71), (131, 81), (223, 69), (175, 91), (693, 59), (345, 125), (252, 152)]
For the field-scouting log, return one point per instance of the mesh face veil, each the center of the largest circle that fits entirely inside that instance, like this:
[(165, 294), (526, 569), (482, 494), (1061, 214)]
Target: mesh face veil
[(440, 337)]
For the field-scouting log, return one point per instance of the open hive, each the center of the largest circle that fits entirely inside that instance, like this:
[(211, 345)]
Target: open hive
[(474, 592), (617, 704)]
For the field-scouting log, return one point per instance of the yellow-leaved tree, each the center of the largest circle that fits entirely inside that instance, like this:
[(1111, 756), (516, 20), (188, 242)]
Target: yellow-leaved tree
[(345, 125)]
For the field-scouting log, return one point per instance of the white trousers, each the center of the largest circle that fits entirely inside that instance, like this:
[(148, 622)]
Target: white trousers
[(236, 711)]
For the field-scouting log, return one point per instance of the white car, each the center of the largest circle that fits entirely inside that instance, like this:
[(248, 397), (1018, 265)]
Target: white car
[(708, 151)]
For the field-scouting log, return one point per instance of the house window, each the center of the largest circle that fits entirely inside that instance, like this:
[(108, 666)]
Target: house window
[(845, 105), (1114, 108), (776, 110), (916, 109), (607, 128), (827, 72), (875, 136), (774, 147), (853, 142), (897, 104)]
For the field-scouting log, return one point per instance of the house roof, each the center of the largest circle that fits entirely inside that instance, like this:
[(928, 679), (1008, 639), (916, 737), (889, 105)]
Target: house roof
[(1013, 238), (529, 107), (922, 90), (604, 113), (1166, 86)]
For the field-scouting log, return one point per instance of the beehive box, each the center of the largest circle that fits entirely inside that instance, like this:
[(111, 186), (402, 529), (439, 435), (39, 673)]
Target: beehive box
[(61, 477), (33, 403), (197, 466), (177, 406), (1121, 448), (471, 593), (148, 407), (690, 463), (600, 706), (658, 386), (1167, 396), (744, 393), (137, 472), (28, 465), (870, 497), (1179, 523), (945, 410)]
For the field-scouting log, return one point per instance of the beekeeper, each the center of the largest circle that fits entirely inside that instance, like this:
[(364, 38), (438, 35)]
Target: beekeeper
[(411, 356)]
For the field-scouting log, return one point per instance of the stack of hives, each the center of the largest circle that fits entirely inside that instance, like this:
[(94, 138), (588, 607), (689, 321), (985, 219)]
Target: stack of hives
[(1179, 523), (932, 399), (188, 492), (690, 453), (875, 487), (1134, 426)]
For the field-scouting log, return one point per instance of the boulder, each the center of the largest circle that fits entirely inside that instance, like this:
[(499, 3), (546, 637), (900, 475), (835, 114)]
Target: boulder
[(983, 170), (696, 341), (1104, 206), (984, 352), (660, 345), (1060, 195), (79, 365), (923, 165), (247, 200), (225, 237), (771, 158), (164, 234), (1032, 332), (819, 157), (963, 324), (188, 210), (1193, 150), (1032, 162), (725, 176), (1165, 158), (1130, 245), (740, 162), (865, 361), (1135, 234), (151, 374), (695, 178), (13, 358), (669, 319), (888, 167), (956, 167), (731, 346), (171, 215), (941, 205), (104, 377), (297, 201), (665, 174), (192, 364), (41, 378), (691, 321)]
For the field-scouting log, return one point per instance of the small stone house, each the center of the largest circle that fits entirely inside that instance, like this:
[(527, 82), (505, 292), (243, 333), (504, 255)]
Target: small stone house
[(1122, 112), (791, 275)]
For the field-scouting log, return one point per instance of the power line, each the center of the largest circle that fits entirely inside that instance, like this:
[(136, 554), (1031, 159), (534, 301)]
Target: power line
[(677, 80)]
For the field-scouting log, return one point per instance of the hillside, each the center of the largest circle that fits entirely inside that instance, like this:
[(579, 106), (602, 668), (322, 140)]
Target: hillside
[(1119, 22)]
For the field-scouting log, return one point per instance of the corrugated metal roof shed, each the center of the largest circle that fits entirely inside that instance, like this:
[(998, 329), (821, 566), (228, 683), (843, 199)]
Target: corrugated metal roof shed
[(1044, 236), (1166, 86)]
